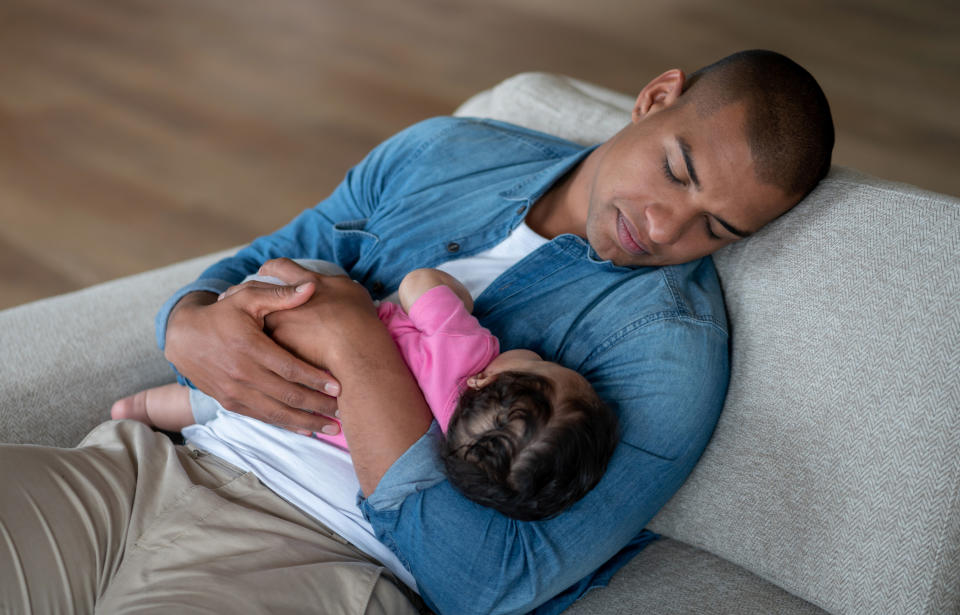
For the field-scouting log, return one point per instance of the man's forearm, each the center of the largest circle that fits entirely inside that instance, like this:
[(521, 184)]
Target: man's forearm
[(381, 407)]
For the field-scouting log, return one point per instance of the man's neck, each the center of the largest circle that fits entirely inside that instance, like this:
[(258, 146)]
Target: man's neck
[(561, 209)]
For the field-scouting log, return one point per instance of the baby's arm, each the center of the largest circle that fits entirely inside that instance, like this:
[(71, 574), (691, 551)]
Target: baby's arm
[(419, 281)]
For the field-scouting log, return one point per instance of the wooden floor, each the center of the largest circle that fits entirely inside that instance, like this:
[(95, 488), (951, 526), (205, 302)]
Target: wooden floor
[(137, 133)]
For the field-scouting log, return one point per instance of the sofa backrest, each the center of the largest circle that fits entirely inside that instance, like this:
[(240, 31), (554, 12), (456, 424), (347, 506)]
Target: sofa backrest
[(834, 471)]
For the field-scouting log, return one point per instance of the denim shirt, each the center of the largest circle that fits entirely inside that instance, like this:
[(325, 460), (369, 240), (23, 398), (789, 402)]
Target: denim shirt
[(652, 341)]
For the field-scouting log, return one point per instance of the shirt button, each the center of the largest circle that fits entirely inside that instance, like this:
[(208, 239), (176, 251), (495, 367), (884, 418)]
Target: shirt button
[(521, 209), (377, 287), (453, 247)]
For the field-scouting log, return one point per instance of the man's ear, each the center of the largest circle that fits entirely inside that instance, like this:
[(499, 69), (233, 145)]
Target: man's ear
[(660, 93)]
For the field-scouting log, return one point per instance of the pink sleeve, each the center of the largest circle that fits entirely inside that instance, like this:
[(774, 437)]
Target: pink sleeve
[(452, 347), (337, 440)]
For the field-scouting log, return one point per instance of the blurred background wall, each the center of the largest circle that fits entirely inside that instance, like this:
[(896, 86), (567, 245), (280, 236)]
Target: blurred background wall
[(137, 133)]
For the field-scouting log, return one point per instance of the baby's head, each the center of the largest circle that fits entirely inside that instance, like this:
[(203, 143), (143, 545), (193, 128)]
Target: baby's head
[(529, 437)]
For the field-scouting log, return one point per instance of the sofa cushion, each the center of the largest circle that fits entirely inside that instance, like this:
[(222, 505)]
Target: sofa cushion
[(557, 105), (671, 578), (834, 469), (66, 359)]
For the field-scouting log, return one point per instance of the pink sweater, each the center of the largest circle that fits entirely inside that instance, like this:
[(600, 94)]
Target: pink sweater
[(442, 344)]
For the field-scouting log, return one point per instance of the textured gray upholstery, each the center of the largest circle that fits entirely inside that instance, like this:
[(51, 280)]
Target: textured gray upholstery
[(833, 478), (65, 360), (671, 578), (835, 468)]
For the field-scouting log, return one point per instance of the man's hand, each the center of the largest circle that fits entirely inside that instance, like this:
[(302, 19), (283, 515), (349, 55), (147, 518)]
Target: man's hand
[(222, 348), (381, 407)]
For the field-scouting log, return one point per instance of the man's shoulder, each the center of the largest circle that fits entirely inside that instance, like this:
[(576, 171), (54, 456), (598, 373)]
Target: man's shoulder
[(694, 289), (577, 308), (689, 291), (457, 131), (680, 300), (442, 150)]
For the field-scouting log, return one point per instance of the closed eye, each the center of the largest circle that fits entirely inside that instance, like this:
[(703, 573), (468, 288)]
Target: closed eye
[(713, 235), (668, 173)]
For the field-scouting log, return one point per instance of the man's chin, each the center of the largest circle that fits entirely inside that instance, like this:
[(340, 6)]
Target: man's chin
[(634, 261)]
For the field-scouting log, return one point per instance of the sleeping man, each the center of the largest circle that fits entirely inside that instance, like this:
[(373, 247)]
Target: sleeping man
[(594, 257)]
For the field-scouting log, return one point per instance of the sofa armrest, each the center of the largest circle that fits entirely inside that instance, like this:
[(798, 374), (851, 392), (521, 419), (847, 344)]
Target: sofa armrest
[(66, 359)]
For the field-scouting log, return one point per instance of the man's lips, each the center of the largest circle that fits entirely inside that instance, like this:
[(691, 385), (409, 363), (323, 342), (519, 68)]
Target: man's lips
[(628, 236)]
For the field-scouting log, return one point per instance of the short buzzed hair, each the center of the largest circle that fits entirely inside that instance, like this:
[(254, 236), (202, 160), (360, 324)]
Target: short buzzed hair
[(788, 122)]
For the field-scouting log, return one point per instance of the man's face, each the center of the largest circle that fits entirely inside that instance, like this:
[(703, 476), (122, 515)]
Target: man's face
[(672, 187)]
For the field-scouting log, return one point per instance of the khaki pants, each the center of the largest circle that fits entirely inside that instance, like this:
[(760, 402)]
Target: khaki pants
[(128, 522)]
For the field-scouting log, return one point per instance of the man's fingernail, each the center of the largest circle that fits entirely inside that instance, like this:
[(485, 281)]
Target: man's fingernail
[(304, 432), (330, 430), (301, 288), (337, 414), (331, 389)]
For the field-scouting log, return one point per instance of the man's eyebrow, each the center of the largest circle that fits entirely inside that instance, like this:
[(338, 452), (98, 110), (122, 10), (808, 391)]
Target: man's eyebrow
[(692, 173), (687, 160)]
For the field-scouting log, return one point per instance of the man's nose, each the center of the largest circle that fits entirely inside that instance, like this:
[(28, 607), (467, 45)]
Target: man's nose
[(665, 225)]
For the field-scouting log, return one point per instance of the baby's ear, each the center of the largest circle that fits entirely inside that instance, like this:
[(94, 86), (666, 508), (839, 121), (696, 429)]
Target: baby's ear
[(478, 381)]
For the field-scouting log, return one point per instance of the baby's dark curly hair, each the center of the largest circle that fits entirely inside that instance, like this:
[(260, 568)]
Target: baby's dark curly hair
[(510, 447)]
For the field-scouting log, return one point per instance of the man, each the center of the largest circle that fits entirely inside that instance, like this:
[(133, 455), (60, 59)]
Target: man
[(603, 272)]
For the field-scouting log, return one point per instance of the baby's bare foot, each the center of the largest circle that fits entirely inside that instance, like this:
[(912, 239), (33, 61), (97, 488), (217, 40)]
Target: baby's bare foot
[(133, 407)]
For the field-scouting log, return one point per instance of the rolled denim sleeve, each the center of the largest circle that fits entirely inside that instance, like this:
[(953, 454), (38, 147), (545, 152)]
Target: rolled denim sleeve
[(471, 559), (417, 469)]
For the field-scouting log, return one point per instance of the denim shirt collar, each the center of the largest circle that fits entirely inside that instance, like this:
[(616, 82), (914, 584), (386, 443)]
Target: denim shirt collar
[(534, 186)]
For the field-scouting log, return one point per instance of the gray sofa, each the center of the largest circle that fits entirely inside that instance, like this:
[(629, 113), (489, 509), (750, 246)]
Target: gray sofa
[(832, 482)]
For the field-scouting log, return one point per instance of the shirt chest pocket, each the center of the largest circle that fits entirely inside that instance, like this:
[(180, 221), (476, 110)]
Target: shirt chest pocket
[(352, 243)]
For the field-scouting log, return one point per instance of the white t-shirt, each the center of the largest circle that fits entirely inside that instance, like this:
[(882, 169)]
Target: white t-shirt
[(315, 476)]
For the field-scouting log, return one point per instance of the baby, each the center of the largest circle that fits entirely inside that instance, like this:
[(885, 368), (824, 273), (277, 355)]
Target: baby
[(524, 436)]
